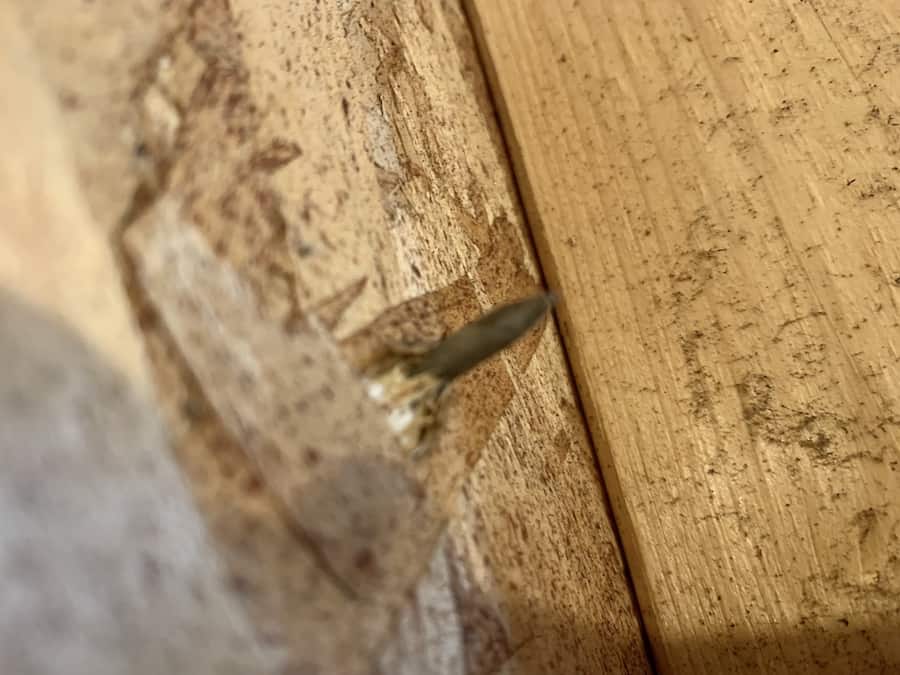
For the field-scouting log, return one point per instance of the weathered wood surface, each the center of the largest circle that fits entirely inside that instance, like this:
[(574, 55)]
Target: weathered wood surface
[(336, 177), (106, 564), (713, 192)]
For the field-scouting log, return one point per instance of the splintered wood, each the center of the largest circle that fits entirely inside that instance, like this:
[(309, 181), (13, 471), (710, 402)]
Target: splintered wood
[(319, 183), (713, 192), (302, 414)]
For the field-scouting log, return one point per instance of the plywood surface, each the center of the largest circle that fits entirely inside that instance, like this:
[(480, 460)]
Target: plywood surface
[(713, 188), (292, 186)]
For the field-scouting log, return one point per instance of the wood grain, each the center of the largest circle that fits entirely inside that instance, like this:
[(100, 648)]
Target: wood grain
[(340, 164), (713, 192)]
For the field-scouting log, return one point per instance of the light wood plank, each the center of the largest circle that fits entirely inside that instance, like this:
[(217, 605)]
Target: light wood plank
[(713, 192)]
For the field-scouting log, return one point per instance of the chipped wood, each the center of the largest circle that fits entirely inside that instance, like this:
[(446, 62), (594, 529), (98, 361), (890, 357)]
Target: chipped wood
[(344, 164)]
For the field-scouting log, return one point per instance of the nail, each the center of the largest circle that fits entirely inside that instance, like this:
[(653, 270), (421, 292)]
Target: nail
[(484, 337)]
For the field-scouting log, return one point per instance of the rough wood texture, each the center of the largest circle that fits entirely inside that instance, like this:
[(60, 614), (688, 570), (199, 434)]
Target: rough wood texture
[(713, 188), (322, 446), (339, 167), (105, 561)]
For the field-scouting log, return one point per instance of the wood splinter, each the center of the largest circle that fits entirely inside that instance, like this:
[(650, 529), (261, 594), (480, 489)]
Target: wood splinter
[(411, 385)]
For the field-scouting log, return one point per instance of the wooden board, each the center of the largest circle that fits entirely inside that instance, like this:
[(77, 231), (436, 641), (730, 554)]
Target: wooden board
[(713, 189), (332, 177)]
